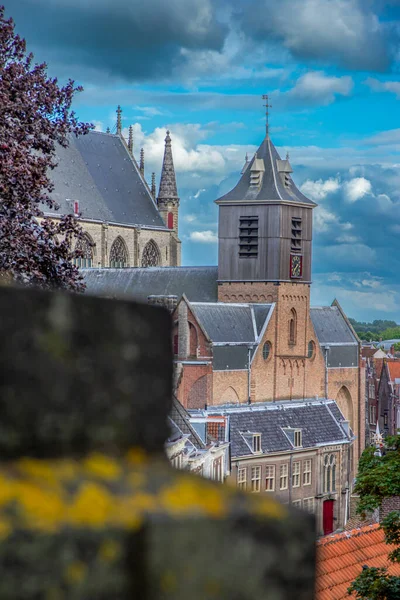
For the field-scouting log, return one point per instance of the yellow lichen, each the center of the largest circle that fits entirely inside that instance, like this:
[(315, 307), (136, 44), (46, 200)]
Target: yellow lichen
[(92, 506), (269, 507), (136, 456), (110, 550), (75, 572), (38, 469), (189, 494), (102, 466), (41, 507)]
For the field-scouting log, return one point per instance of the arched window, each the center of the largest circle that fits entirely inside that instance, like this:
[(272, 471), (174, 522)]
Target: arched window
[(311, 349), (151, 255), (293, 327), (266, 350), (118, 254), (170, 220), (329, 473), (85, 245)]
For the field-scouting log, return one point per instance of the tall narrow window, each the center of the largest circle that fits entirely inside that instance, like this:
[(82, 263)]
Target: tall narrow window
[(307, 472), (329, 473), (309, 504), (248, 237), (85, 246), (118, 254), (270, 478), (242, 478), (170, 223), (296, 235), (255, 479), (292, 327), (151, 255), (283, 477), (296, 474), (257, 442)]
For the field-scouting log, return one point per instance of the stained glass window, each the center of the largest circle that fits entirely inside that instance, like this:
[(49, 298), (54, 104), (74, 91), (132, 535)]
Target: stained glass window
[(85, 245), (151, 255), (118, 254)]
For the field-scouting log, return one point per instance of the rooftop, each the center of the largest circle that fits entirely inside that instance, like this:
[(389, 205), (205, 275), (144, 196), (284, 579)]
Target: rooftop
[(340, 559)]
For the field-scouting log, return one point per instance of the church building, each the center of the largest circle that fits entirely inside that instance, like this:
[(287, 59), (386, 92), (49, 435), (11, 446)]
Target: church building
[(125, 223), (246, 336)]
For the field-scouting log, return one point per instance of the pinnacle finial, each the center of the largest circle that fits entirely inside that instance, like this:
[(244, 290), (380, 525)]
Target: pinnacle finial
[(119, 120), (153, 185), (141, 165), (130, 139), (108, 130), (247, 157), (267, 106), (287, 155)]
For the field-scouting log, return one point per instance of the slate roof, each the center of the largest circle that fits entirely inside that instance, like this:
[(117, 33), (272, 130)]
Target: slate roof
[(198, 283), (331, 327), (180, 424), (97, 171), (340, 559), (319, 421), (266, 162), (231, 323)]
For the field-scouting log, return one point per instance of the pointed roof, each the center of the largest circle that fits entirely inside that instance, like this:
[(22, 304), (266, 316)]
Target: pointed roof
[(168, 189), (266, 178)]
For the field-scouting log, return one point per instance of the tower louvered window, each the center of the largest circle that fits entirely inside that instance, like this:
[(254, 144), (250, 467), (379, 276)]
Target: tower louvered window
[(296, 235), (248, 237)]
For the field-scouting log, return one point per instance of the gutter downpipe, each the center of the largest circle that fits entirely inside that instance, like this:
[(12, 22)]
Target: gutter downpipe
[(326, 371), (248, 376), (290, 477)]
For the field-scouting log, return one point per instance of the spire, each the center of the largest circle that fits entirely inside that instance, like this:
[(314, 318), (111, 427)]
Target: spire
[(141, 165), (108, 130), (168, 190), (267, 106), (153, 185), (119, 120), (130, 139)]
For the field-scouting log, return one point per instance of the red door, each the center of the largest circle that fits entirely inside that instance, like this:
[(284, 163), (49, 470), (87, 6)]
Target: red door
[(327, 516)]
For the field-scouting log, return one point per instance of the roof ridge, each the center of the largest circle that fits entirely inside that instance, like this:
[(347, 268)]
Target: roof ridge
[(337, 537)]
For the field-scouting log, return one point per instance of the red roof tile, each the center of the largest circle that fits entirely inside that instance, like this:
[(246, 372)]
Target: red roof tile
[(340, 559), (394, 369)]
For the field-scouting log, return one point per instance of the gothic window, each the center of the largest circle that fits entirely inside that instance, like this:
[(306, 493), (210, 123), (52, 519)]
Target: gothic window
[(311, 349), (85, 245), (266, 350), (118, 254), (329, 473), (151, 255), (292, 327)]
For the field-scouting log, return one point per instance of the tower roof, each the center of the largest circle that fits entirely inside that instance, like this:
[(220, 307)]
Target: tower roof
[(266, 178), (168, 189)]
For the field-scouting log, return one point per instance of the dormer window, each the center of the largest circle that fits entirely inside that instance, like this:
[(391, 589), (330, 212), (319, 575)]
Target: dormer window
[(256, 442), (295, 436)]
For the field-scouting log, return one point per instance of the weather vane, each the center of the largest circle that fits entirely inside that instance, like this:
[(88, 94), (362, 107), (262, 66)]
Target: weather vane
[(267, 106)]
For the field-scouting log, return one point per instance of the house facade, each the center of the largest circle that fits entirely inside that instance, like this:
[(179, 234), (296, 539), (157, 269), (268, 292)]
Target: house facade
[(299, 451), (389, 397)]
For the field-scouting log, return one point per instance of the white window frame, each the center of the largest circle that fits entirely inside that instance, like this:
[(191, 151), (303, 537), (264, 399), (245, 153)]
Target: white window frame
[(242, 478), (284, 476), (256, 479), (270, 478), (307, 471), (296, 474), (309, 504), (297, 438), (176, 462), (296, 503), (256, 443)]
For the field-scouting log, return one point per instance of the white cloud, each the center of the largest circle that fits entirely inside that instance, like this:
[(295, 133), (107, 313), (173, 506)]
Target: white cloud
[(317, 88), (204, 237), (197, 194), (357, 188), (98, 125), (190, 218), (383, 86), (318, 190)]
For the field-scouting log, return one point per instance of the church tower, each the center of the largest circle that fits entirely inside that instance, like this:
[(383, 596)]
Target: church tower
[(264, 253), (168, 200)]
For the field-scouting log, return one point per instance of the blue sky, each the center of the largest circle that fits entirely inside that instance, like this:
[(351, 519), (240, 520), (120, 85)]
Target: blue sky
[(199, 67)]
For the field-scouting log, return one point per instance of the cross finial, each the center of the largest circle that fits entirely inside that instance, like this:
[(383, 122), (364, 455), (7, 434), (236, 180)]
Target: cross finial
[(267, 106), (119, 119)]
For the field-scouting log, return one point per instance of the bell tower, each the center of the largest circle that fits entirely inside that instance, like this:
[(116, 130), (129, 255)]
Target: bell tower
[(265, 230)]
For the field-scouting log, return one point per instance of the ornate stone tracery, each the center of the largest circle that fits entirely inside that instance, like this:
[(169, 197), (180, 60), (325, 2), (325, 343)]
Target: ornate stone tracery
[(85, 245), (151, 255), (118, 254)]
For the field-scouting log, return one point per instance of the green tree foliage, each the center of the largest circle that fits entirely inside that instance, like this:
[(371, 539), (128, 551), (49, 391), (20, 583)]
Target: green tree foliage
[(376, 330), (378, 478)]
